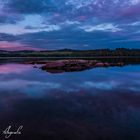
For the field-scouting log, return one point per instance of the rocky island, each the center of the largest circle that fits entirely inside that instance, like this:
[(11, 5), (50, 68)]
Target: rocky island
[(71, 65), (75, 65)]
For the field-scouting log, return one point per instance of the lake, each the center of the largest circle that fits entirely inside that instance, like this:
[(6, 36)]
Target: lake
[(95, 104)]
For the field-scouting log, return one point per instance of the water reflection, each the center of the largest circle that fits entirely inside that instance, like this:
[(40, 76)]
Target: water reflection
[(99, 104)]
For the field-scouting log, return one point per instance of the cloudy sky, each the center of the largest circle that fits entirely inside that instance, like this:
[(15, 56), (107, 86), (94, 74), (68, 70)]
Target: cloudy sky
[(72, 24)]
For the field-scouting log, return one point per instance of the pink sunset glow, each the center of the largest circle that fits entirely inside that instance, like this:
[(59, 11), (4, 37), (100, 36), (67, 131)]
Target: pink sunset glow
[(15, 46)]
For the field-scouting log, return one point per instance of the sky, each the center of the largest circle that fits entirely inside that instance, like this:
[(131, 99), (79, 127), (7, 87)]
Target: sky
[(69, 24)]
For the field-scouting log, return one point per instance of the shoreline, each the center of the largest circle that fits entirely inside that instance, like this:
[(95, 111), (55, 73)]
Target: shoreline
[(98, 57)]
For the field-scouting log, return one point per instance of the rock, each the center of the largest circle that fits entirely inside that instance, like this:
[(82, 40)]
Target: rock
[(99, 64), (59, 66), (55, 64), (120, 64), (106, 64), (68, 65)]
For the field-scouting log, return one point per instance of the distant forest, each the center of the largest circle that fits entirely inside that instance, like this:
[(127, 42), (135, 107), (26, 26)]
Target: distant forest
[(119, 52)]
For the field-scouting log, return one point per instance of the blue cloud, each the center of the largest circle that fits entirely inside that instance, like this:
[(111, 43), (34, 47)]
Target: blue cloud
[(53, 24), (31, 6)]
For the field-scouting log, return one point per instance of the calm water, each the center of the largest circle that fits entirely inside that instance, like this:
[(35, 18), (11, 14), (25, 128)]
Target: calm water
[(96, 104)]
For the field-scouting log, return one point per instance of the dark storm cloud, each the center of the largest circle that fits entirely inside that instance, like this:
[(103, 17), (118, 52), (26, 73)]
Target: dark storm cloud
[(105, 9), (90, 11), (83, 40), (8, 37), (10, 19)]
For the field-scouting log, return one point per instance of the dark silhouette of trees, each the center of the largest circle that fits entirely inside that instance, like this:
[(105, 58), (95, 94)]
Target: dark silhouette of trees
[(119, 52)]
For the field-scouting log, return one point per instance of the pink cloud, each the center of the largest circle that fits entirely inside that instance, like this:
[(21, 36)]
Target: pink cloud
[(132, 11), (15, 46)]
